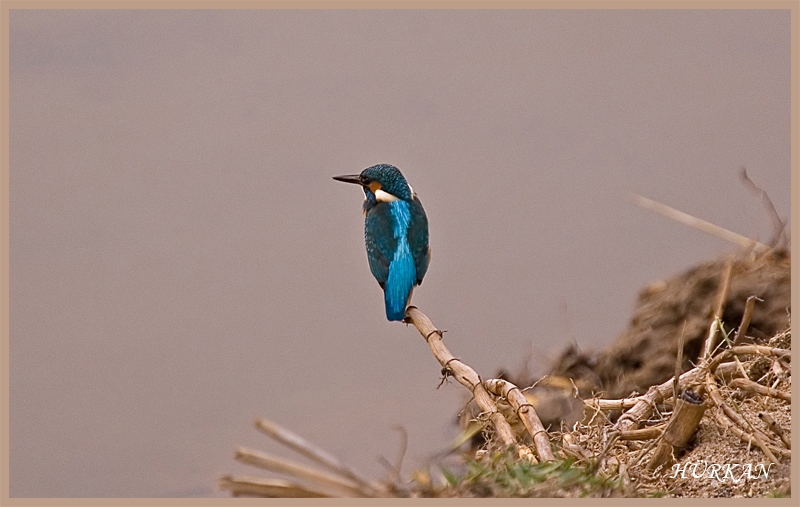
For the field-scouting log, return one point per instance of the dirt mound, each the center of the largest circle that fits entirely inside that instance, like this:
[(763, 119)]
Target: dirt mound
[(645, 353)]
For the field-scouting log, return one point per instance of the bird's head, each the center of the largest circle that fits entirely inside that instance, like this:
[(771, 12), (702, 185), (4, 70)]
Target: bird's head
[(384, 181)]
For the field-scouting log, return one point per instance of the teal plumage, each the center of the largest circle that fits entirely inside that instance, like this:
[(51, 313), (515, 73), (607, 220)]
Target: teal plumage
[(395, 234)]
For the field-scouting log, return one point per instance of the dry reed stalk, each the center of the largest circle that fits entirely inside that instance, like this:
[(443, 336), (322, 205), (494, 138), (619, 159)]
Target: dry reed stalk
[(334, 486), (687, 412), (753, 387), (678, 364), (725, 288), (700, 224), (711, 339), (608, 405), (272, 488), (722, 296), (526, 412), (642, 434), (301, 446), (741, 350), (731, 370), (644, 406), (680, 428), (746, 316), (465, 375), (779, 236)]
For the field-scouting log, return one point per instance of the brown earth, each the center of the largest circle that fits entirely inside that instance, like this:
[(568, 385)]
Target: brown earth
[(645, 353)]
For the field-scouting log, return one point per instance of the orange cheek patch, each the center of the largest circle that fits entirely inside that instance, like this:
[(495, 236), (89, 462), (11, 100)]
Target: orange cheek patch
[(374, 186)]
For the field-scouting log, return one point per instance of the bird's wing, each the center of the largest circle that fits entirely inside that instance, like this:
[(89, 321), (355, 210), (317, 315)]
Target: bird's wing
[(418, 238), (380, 240)]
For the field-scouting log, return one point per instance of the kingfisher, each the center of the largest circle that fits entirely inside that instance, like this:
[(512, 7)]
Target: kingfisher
[(395, 232)]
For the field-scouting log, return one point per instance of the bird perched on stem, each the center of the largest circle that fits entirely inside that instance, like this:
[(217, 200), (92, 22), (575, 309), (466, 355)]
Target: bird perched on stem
[(396, 234)]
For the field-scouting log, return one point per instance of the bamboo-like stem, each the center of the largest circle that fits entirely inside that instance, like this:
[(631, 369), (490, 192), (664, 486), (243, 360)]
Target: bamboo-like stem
[(746, 316), (722, 296), (711, 340), (724, 370), (602, 404), (341, 487), (300, 445), (754, 387), (700, 224), (745, 350), (730, 370), (643, 434), (644, 406), (682, 425), (678, 364), (725, 288), (526, 412), (272, 488), (463, 374)]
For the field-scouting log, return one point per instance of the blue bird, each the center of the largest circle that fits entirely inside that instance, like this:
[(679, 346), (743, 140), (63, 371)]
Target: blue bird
[(396, 234)]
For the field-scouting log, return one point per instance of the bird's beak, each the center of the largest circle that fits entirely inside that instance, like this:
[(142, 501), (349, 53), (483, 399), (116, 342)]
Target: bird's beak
[(349, 178)]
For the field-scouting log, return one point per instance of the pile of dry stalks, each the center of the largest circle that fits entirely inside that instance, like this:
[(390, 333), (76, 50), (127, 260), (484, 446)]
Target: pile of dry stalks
[(742, 392), (730, 412)]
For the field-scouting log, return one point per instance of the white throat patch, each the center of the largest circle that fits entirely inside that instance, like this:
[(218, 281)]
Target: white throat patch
[(382, 196)]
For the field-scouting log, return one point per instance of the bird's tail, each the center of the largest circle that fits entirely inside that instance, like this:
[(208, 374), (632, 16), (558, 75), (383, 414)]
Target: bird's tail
[(402, 275)]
